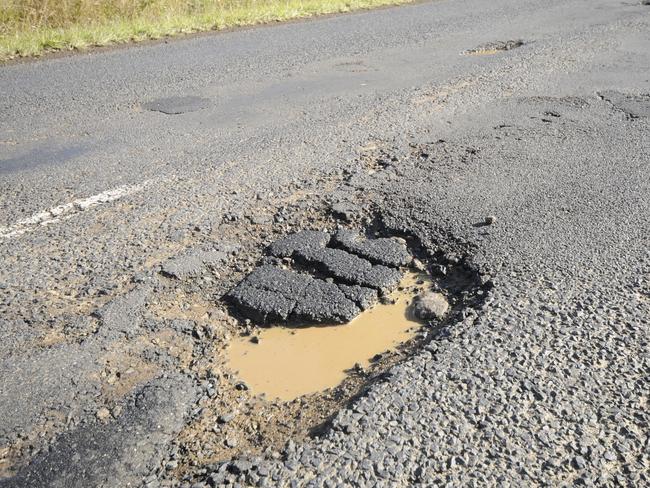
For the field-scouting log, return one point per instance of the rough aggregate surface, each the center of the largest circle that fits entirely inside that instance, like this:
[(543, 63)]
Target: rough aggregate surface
[(544, 382)]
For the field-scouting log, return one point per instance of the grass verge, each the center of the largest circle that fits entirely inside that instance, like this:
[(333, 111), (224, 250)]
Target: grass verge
[(35, 27)]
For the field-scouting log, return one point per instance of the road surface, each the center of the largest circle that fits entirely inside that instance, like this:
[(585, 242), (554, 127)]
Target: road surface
[(421, 120)]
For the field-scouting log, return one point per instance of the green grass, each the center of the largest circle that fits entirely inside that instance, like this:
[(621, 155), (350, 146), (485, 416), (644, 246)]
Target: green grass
[(35, 27)]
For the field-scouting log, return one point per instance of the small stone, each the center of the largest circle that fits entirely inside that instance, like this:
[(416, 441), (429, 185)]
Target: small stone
[(225, 417), (452, 258), (419, 265), (610, 456), (490, 219), (579, 462), (430, 305), (439, 270), (345, 211), (255, 340), (240, 466), (198, 331), (216, 479), (103, 413), (261, 219), (231, 442)]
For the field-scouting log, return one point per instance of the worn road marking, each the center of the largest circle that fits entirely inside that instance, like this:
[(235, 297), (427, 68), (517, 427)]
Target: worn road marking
[(65, 211)]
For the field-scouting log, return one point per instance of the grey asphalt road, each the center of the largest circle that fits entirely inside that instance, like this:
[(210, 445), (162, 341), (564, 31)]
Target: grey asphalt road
[(113, 162)]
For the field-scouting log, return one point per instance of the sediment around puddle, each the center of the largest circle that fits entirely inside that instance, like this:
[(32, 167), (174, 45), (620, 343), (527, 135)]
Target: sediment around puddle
[(288, 362)]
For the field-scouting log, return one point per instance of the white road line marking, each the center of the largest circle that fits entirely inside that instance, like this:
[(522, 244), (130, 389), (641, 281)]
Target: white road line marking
[(61, 212)]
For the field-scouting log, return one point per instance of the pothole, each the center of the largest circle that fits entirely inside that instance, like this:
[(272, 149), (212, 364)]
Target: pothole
[(176, 319), (494, 47), (288, 362), (321, 318)]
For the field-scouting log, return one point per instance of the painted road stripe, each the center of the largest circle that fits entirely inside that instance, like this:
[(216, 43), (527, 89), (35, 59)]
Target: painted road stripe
[(61, 212)]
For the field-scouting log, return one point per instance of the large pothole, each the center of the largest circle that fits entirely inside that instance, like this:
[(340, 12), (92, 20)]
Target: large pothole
[(176, 320), (335, 281), (320, 319), (288, 362)]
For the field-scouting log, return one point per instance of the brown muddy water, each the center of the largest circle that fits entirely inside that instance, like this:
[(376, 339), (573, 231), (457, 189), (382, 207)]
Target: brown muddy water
[(288, 362)]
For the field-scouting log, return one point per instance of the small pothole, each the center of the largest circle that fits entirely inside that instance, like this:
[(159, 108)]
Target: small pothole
[(633, 106), (494, 47)]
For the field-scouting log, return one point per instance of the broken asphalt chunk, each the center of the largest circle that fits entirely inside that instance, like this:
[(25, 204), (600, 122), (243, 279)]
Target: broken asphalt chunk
[(324, 302), (364, 297), (349, 268), (305, 240), (271, 294), (386, 251), (302, 294)]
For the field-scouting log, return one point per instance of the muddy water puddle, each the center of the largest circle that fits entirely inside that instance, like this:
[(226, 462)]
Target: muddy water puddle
[(288, 362)]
